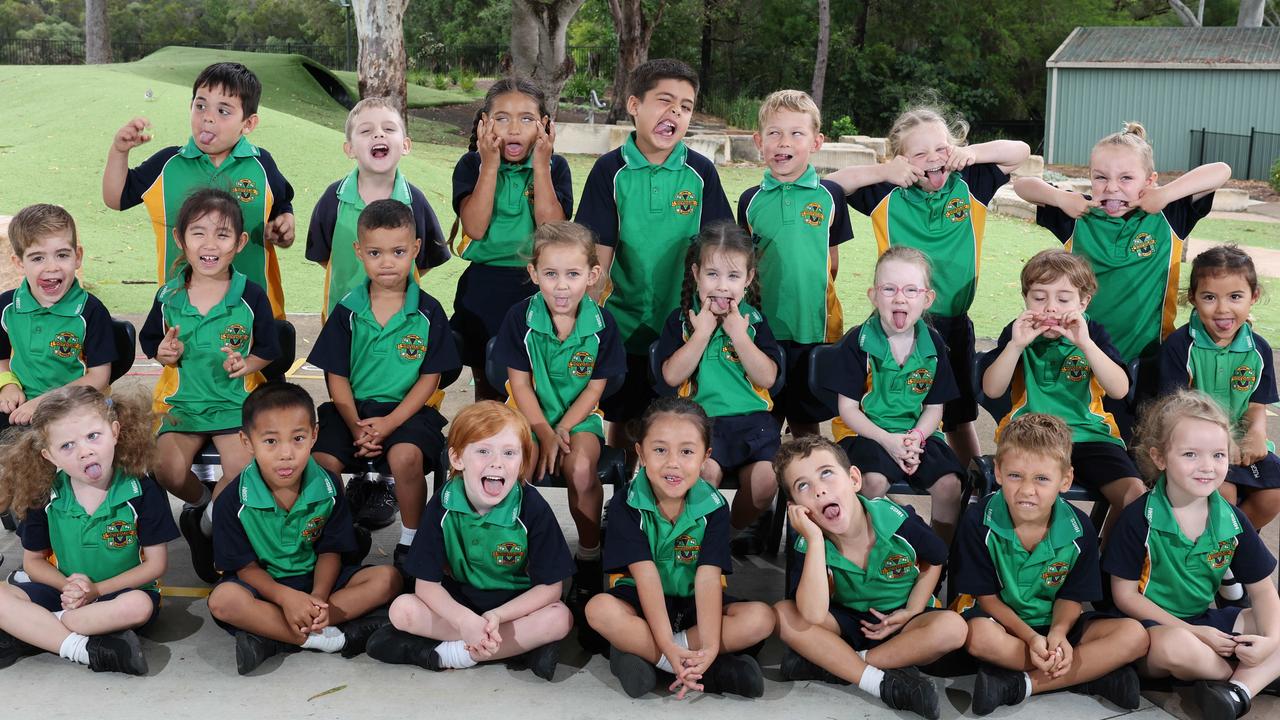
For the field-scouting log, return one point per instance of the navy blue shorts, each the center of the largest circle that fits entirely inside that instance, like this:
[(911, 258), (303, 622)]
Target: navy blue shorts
[(681, 611), (476, 600), (1100, 463), (50, 598), (485, 294), (850, 622), (739, 440), (1262, 475), (1073, 635), (634, 395), (1223, 619), (937, 460), (301, 583), (423, 430), (957, 333), (796, 403)]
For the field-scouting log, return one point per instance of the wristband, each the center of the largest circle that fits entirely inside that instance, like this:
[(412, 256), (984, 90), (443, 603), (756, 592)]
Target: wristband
[(918, 434), (8, 378)]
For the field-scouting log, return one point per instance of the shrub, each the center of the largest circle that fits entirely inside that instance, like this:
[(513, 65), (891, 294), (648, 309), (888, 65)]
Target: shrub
[(739, 112), (467, 82), (843, 126), (1275, 175), (440, 82)]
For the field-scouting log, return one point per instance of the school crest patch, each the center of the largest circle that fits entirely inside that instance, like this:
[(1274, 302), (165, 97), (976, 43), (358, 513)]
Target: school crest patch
[(582, 363), (1055, 573), (1221, 558), (411, 347), (235, 335), (508, 554), (120, 534), (1143, 245), (1075, 368), (1243, 379), (812, 214), (65, 345), (896, 566), (684, 202), (920, 380), (729, 353), (311, 532), (686, 548), (245, 190), (957, 210)]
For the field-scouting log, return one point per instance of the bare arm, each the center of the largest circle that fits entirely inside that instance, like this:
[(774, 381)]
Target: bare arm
[(528, 602), (604, 254), (155, 560), (1008, 154)]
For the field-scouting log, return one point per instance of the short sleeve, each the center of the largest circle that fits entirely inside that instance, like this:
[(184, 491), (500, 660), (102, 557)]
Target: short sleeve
[(549, 558), (281, 190), (1062, 225), (611, 360), (625, 543), (767, 343), (338, 534), (140, 179), (715, 541), (1252, 562), (6, 346), (155, 519), (1127, 545), (509, 349), (266, 339), (866, 198), (324, 218), (1265, 392), (442, 353), (928, 546), (1102, 339), (433, 250), (944, 387), (465, 175), (1183, 214), (670, 339), (841, 230), (1084, 581), (332, 349), (153, 330), (851, 378), (972, 569), (99, 334), (984, 179), (598, 208), (715, 205), (33, 531), (562, 181), (744, 202), (1172, 369), (231, 547), (427, 559)]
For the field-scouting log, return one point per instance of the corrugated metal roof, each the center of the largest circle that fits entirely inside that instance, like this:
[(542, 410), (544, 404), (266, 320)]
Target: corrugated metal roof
[(1208, 47)]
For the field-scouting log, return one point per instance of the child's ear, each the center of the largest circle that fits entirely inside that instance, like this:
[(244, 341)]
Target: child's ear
[(533, 273), (44, 453), (79, 256), (818, 140), (455, 461), (998, 474), (244, 440), (855, 477), (408, 144), (115, 429), (929, 297), (759, 141), (1157, 458), (1151, 179), (593, 275), (1084, 302), (17, 261), (1067, 480), (244, 240), (633, 105), (639, 456), (417, 245), (349, 151), (250, 123)]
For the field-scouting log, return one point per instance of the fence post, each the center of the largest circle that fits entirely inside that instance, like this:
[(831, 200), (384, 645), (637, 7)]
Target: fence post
[(1248, 161), (1203, 139)]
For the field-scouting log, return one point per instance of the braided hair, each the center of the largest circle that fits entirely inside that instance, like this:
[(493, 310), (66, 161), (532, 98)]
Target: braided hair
[(502, 87), (722, 237)]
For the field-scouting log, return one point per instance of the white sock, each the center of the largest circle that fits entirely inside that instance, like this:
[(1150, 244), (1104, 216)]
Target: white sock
[(1230, 589), (664, 665), (453, 654), (206, 521), (206, 497), (75, 648), (588, 553), (872, 676), (407, 535), (862, 654), (329, 640), (681, 639), (1243, 689), (1026, 677), (58, 614)]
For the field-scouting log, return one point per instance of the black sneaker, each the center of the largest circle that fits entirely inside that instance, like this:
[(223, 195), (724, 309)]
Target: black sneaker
[(364, 541), (9, 650), (903, 689), (117, 652), (795, 667), (17, 577), (588, 577), (637, 675), (357, 496), (541, 661), (398, 647), (1120, 686), (253, 650), (1220, 700), (358, 632), (200, 544), (995, 686), (751, 541), (734, 675), (399, 556), (380, 506)]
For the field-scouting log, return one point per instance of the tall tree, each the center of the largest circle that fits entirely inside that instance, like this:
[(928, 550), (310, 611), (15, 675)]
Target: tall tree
[(1251, 13), (538, 29), (97, 39), (635, 32), (381, 66), (824, 48)]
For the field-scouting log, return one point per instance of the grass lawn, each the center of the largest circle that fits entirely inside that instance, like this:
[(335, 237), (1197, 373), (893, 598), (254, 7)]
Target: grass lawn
[(49, 153)]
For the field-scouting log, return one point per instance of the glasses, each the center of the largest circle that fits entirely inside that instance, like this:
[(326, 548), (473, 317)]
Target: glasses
[(910, 292)]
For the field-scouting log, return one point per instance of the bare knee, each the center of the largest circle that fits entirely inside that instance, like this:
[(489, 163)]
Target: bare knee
[(949, 630), (712, 472), (556, 620), (1174, 649), (757, 616), (1130, 489), (602, 610), (135, 607), (227, 600), (404, 609), (983, 638), (947, 488), (874, 485), (580, 472)]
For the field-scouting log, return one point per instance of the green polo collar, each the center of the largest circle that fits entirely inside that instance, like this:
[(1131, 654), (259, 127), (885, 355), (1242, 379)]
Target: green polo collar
[(122, 489), (69, 305), (885, 518), (702, 499), (590, 321), (505, 513), (1064, 526), (875, 343), (808, 179), (635, 159), (358, 299), (1200, 337), (1222, 522), (349, 190), (177, 287), (507, 166), (243, 148), (317, 486), (920, 196)]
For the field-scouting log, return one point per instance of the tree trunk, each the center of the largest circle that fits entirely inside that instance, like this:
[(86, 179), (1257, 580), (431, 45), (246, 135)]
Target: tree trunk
[(708, 25), (1251, 13), (97, 39), (381, 63), (538, 30), (1184, 14), (634, 33), (824, 45), (860, 27)]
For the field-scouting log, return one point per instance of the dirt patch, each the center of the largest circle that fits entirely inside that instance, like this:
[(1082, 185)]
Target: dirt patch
[(1257, 189)]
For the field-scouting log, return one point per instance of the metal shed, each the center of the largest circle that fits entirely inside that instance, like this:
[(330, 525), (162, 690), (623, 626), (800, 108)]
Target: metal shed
[(1204, 94)]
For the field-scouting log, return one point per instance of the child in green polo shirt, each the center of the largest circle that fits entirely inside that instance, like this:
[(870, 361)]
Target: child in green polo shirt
[(1055, 359), (508, 183), (668, 550), (644, 201), (717, 349), (560, 349), (376, 139), (490, 562), (383, 351), (212, 330), (797, 220), (280, 533), (1171, 549), (893, 383), (52, 333), (93, 526), (1024, 563), (933, 196), (862, 583), (224, 110)]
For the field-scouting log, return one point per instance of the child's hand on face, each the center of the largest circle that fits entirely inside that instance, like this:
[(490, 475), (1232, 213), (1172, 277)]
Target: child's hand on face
[(887, 625), (703, 322), (544, 146), (959, 158), (1076, 205), (1222, 643), (11, 396), (1254, 649), (1026, 328), (735, 324), (487, 142), (169, 352), (234, 363), (1073, 327), (134, 133), (1152, 199), (902, 173), (280, 232), (802, 522)]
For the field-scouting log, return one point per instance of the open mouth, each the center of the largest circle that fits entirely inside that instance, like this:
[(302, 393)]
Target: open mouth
[(665, 129), (209, 261), (50, 286), (898, 318), (206, 137), (719, 304), (831, 511), (93, 471), (380, 151), (492, 485), (284, 471), (560, 302), (782, 158), (935, 176), (513, 149), (673, 480), (1115, 206), (1224, 324)]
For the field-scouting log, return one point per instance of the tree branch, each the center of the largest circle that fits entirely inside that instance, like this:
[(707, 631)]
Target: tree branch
[(1184, 13)]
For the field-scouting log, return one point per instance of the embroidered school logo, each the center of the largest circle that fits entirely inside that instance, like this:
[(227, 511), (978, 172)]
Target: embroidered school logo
[(235, 335), (687, 548), (920, 380), (311, 532), (684, 203), (1075, 368), (65, 345), (1055, 573), (120, 534), (1243, 379), (508, 554), (896, 566), (812, 214), (582, 363), (528, 192), (957, 210), (1143, 245), (245, 190), (729, 353), (411, 347), (1221, 557)]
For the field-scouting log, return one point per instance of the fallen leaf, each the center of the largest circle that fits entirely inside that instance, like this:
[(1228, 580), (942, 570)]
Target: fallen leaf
[(330, 691)]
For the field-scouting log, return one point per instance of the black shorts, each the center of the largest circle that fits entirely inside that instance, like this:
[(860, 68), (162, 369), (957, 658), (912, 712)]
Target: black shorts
[(1073, 635), (1100, 463), (485, 293), (476, 600), (50, 598), (850, 622), (937, 460), (1222, 619), (739, 440), (633, 396), (301, 583), (1262, 475), (423, 430), (681, 611), (957, 333), (796, 403)]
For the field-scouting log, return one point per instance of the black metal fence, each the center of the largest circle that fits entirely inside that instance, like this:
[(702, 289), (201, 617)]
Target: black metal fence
[(1250, 156)]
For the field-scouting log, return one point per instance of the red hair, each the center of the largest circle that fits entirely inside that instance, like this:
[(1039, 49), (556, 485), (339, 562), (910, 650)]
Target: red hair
[(486, 419)]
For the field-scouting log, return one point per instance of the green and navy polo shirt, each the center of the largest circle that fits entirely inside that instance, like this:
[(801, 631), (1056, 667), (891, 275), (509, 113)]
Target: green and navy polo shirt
[(649, 214), (165, 180), (561, 369), (720, 383), (197, 395), (509, 240), (1236, 375), (48, 347), (250, 526), (639, 533), (107, 542), (795, 225)]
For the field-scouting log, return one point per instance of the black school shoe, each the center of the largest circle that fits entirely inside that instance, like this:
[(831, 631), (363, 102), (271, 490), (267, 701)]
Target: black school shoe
[(253, 650), (358, 632), (734, 675), (541, 661), (364, 541), (796, 668), (1220, 700), (995, 686), (9, 650), (637, 675), (200, 544), (398, 647), (1120, 686), (903, 689), (378, 505), (117, 652)]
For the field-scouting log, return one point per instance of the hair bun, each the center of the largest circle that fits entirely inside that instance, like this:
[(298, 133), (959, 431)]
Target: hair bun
[(1135, 128)]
